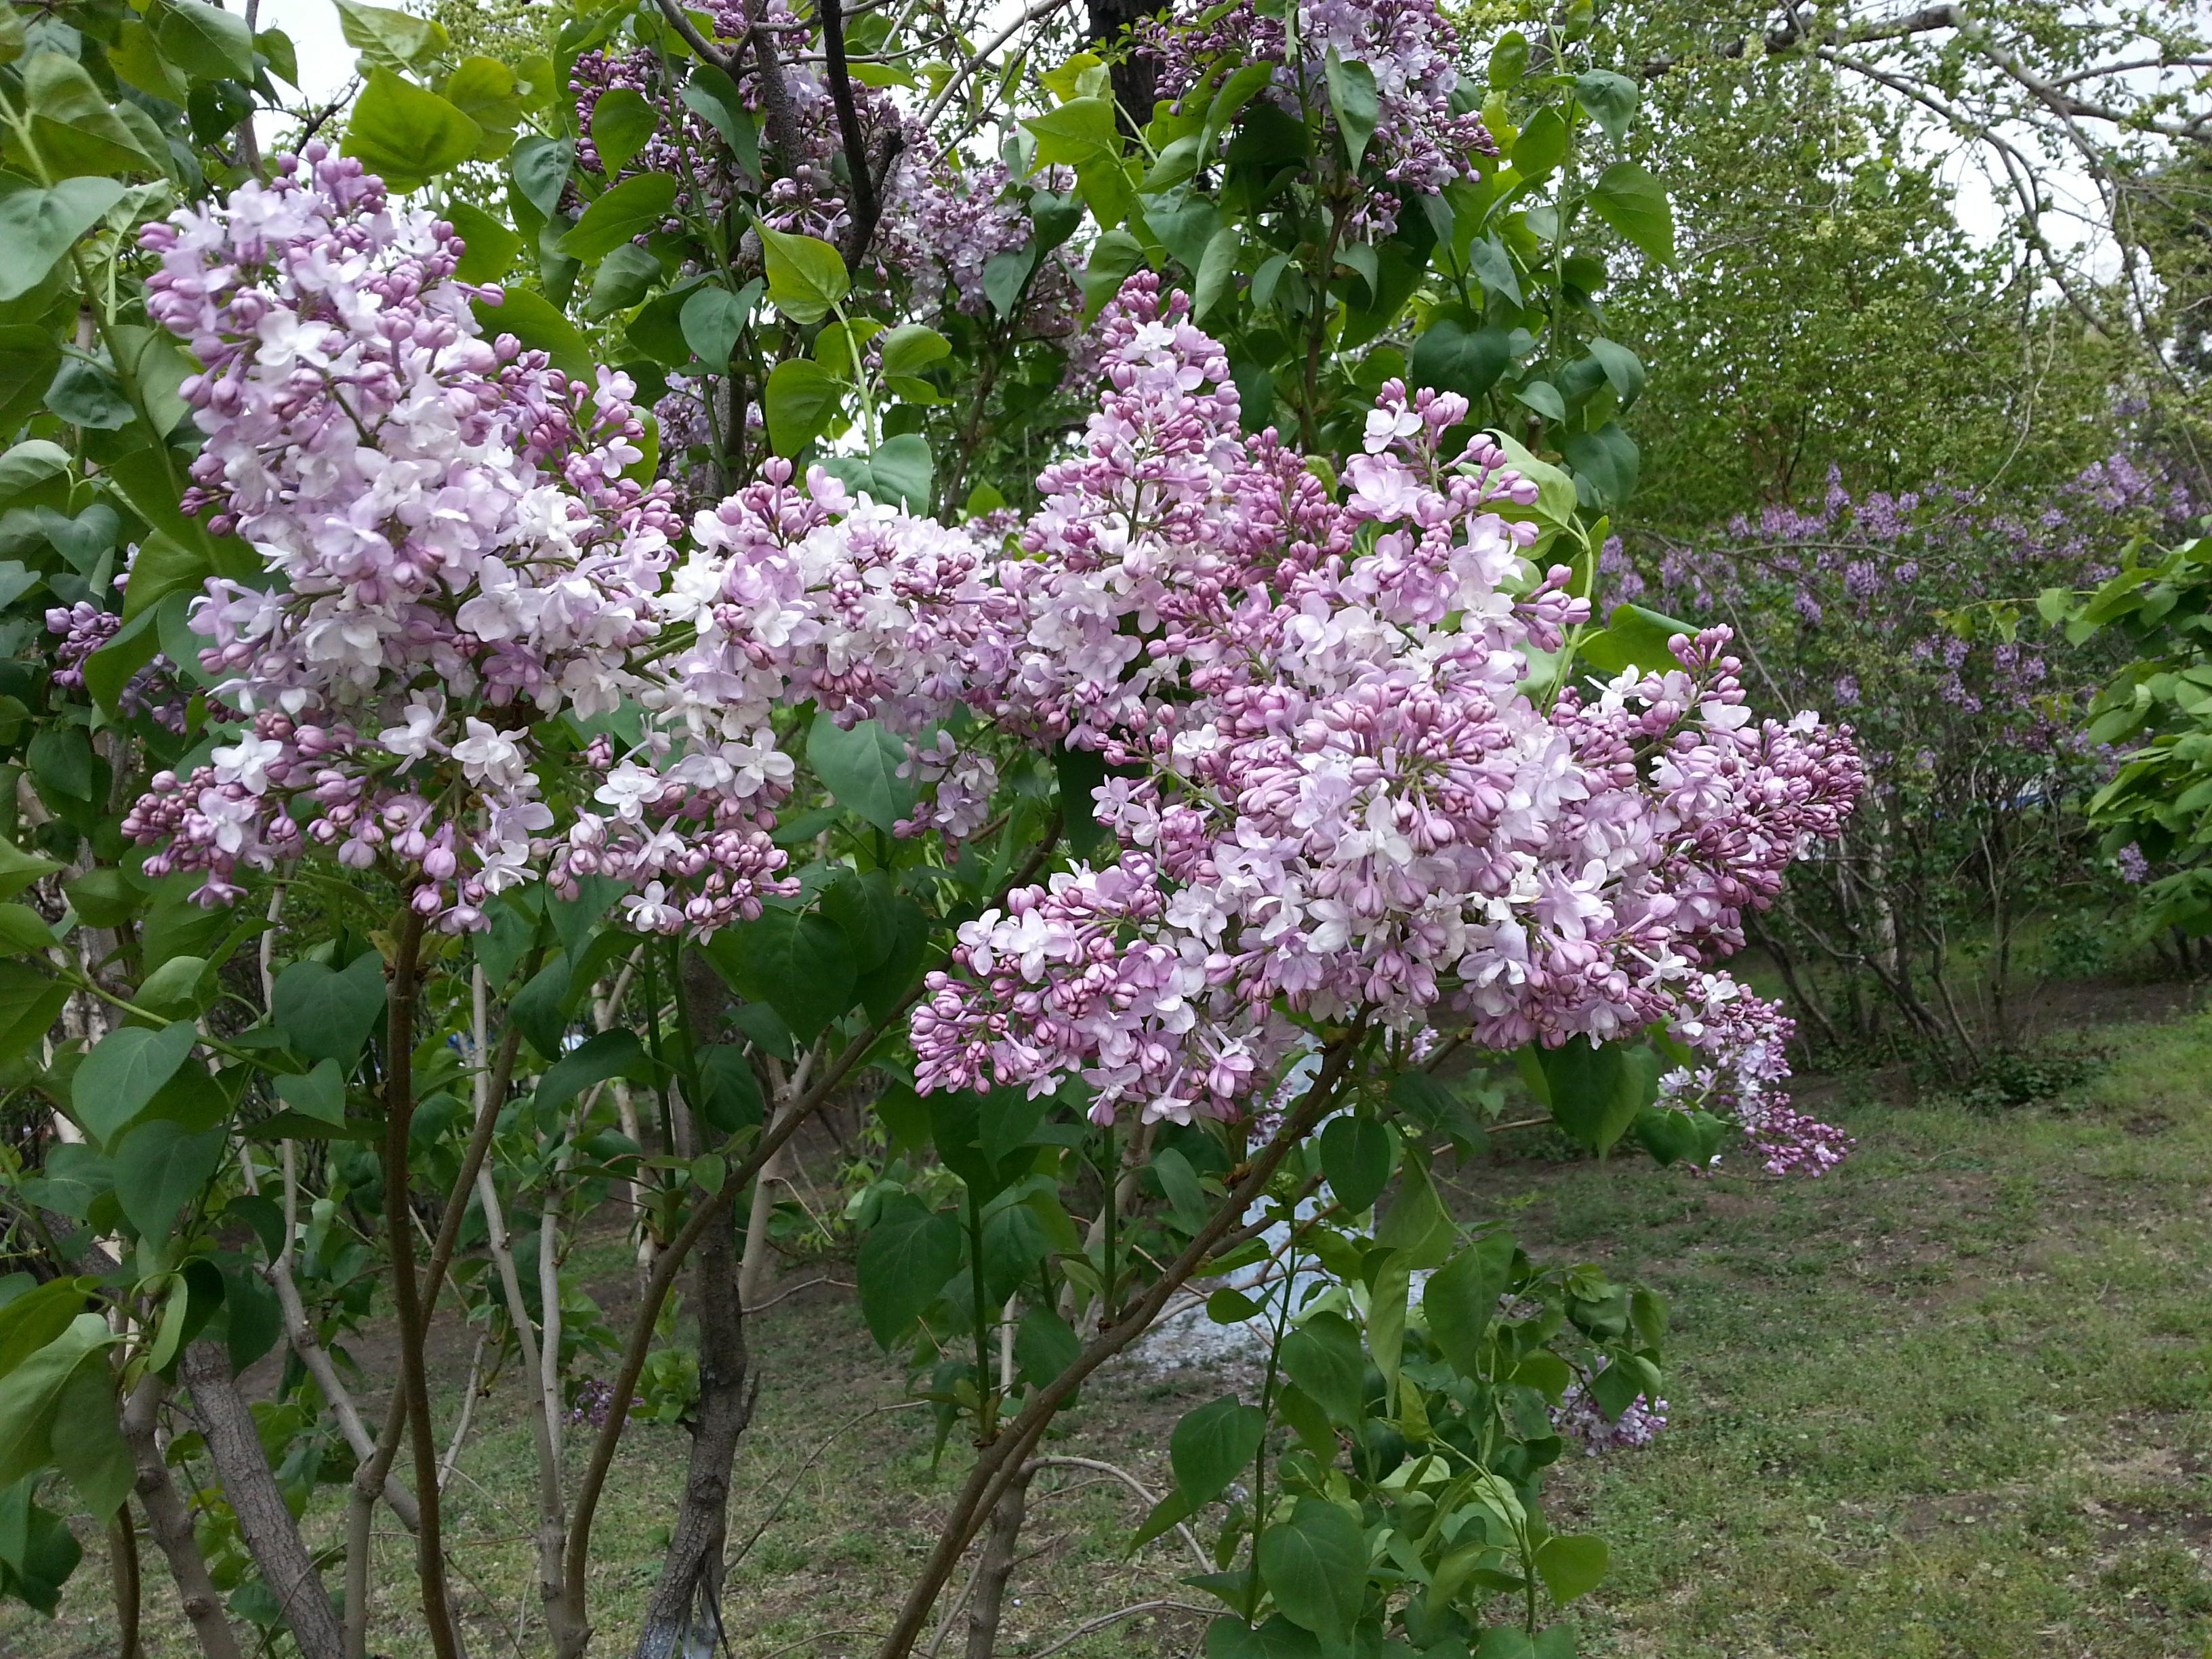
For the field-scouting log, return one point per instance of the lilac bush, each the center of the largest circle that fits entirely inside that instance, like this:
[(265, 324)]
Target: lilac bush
[(1902, 613), (889, 644)]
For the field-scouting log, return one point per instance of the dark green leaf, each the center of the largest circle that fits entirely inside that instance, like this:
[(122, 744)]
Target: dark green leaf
[(1003, 276), (1217, 270), (806, 274), (37, 227), (1178, 1184), (1606, 460), (632, 208), (320, 1093), (1210, 1446), (19, 869), (29, 1004), (713, 320), (1609, 98), (159, 1166), (537, 323), (620, 123), (1045, 1345), (326, 1013), (1351, 95), (910, 348), (1356, 1155), (31, 1394), (1324, 1358), (1673, 1137), (491, 246), (883, 987), (1416, 1222), (1635, 637), (122, 1074), (802, 399), (624, 277), (38, 1316), (865, 904), (800, 965), (1456, 353), (1632, 202), (1509, 60), (1460, 1301), (608, 1054), (75, 129), (1185, 223), (1542, 144), (731, 1093), (539, 168), (203, 41), (540, 1008), (860, 768), (1277, 1638), (904, 1262), (1597, 1093), (1571, 1565), (1315, 1567), (87, 394)]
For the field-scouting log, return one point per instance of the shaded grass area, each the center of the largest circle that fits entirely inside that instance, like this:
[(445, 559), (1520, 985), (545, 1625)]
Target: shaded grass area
[(1955, 1399)]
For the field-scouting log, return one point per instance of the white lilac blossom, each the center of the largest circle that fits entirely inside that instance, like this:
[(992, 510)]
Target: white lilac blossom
[(1340, 792), (1742, 1044), (1421, 143), (462, 571)]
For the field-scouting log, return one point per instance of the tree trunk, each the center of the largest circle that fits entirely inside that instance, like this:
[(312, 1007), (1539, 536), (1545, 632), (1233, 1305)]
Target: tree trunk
[(1136, 73), (266, 1525), (171, 1524), (684, 1620), (997, 1567)]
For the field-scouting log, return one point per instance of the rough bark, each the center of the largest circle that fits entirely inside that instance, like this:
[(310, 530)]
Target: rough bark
[(270, 1535), (685, 1616), (171, 1524), (989, 1600), (1136, 73)]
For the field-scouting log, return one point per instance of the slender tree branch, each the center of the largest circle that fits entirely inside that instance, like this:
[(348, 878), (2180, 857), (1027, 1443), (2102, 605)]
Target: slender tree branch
[(865, 208), (407, 1291), (1115, 1617)]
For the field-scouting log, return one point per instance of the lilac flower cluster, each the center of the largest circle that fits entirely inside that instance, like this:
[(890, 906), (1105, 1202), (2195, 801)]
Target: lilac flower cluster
[(1344, 788), (460, 559), (83, 629), (1341, 792), (594, 1399), (1579, 1418), (1743, 1042), (1420, 145)]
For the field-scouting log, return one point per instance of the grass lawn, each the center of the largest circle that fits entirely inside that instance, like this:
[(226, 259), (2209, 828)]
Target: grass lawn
[(1955, 1399)]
